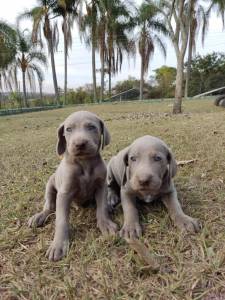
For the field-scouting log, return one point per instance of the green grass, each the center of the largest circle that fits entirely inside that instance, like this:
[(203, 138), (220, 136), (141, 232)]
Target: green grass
[(191, 266)]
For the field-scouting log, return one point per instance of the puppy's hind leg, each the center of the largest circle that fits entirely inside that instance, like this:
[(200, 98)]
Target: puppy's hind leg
[(49, 207), (113, 199), (113, 191)]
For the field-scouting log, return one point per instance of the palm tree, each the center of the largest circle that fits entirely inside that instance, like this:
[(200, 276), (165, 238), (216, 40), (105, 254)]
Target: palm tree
[(7, 53), (198, 18), (93, 31), (68, 10), (101, 35), (113, 28), (88, 31), (118, 40), (150, 30), (29, 59), (41, 17), (7, 44), (105, 28)]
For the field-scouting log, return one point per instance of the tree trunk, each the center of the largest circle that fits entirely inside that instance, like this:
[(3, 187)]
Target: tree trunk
[(177, 106), (188, 73), (190, 51), (110, 74), (41, 94), (94, 65), (65, 59), (25, 103), (110, 83), (142, 79), (50, 44), (102, 77)]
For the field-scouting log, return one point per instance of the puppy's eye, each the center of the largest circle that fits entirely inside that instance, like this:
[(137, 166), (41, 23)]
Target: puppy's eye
[(157, 158), (91, 127), (133, 158), (69, 129)]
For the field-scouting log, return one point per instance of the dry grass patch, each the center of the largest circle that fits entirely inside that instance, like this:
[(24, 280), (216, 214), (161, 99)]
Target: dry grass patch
[(191, 266)]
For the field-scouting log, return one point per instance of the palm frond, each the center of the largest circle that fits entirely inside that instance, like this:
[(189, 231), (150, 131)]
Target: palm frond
[(161, 45), (38, 56), (38, 71), (55, 36), (219, 7), (31, 78)]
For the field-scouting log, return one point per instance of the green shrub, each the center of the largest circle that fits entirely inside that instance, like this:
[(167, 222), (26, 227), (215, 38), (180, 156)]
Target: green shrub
[(79, 96)]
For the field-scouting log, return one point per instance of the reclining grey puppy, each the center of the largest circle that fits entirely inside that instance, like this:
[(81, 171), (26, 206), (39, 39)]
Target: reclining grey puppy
[(144, 171), (80, 177)]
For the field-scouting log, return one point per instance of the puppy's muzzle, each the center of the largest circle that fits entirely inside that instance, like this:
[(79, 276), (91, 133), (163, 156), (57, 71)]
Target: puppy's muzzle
[(145, 181), (146, 184), (79, 147)]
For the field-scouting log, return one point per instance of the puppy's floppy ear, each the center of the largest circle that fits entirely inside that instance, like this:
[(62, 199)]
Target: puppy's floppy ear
[(125, 168), (172, 164), (61, 144), (105, 135)]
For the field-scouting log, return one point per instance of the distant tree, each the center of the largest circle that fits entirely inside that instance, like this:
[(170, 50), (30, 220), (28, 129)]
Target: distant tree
[(118, 38), (68, 10), (7, 44), (112, 37), (88, 30), (165, 78), (122, 86), (177, 17), (29, 61), (150, 31), (42, 17), (207, 73), (199, 19), (7, 55)]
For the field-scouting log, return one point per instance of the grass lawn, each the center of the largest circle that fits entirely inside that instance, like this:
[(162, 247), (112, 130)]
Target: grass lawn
[(191, 266)]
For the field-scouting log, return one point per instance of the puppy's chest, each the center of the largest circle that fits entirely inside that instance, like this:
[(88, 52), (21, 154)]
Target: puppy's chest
[(148, 198), (85, 186)]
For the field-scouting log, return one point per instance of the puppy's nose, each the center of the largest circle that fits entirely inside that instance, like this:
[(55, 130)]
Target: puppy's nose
[(145, 180), (79, 145)]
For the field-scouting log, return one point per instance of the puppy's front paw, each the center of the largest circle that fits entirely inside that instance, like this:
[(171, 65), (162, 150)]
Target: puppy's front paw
[(38, 219), (57, 250), (131, 231), (106, 226), (187, 223)]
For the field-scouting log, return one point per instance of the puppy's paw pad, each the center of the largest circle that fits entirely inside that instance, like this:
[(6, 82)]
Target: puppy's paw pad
[(186, 223), (57, 251), (106, 226), (131, 231)]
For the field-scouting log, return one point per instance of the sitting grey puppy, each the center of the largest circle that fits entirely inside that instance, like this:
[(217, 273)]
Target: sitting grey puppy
[(80, 177), (144, 171)]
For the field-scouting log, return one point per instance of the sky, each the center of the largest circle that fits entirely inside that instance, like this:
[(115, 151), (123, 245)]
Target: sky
[(79, 63)]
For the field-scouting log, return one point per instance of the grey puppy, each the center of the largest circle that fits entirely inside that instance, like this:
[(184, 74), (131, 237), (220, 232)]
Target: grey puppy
[(144, 171), (80, 177)]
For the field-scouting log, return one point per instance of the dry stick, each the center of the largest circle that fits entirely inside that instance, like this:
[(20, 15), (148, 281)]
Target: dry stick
[(185, 162), (144, 253)]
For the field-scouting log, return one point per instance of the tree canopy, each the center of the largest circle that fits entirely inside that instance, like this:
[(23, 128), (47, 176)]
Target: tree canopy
[(7, 44), (207, 73)]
